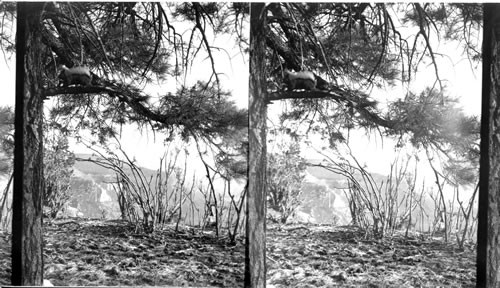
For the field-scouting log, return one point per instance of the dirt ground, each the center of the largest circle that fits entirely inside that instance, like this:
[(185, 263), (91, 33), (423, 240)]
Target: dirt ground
[(93, 252), (327, 256)]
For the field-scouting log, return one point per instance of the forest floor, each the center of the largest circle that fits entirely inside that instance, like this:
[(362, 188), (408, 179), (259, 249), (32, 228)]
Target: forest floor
[(92, 252), (329, 256)]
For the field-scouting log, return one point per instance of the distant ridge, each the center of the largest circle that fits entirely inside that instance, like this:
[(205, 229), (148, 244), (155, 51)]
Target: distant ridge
[(91, 168)]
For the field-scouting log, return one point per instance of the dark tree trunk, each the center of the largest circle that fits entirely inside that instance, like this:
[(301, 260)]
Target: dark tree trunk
[(27, 262), (488, 251), (255, 252)]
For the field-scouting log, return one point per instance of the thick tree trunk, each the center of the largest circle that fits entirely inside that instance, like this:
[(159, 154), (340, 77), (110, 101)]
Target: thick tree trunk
[(27, 262), (255, 252), (488, 241)]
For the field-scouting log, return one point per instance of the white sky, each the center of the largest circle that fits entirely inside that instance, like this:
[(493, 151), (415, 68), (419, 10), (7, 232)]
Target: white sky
[(462, 82), (146, 147)]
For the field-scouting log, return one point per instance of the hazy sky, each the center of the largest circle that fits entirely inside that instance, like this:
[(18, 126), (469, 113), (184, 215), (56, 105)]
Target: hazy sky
[(230, 63), (454, 68), (462, 81)]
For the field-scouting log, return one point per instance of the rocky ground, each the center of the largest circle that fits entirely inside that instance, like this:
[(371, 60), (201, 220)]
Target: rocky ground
[(91, 253), (325, 256)]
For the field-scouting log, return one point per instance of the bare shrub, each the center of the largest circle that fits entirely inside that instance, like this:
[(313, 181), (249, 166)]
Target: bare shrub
[(152, 201), (380, 206), (225, 210)]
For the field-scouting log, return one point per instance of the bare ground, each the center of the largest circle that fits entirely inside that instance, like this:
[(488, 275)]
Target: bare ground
[(111, 253), (91, 253), (325, 256)]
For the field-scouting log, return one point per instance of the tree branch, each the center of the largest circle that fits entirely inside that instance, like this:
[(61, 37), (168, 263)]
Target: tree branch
[(364, 106)]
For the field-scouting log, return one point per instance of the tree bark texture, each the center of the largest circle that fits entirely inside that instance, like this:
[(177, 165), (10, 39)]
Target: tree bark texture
[(255, 252), (27, 261), (488, 242)]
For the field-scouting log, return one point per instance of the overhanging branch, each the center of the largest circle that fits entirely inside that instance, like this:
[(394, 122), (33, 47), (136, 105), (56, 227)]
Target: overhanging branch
[(196, 119), (363, 105), (133, 100)]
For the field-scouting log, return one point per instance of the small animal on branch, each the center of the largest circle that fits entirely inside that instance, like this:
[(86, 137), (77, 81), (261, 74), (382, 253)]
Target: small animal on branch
[(300, 80), (79, 75)]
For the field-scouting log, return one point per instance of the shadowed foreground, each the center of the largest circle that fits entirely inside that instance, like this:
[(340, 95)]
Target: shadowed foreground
[(326, 256), (110, 253), (91, 253)]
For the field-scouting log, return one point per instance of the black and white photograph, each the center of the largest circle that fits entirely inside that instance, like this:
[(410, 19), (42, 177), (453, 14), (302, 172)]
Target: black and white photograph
[(373, 129), (132, 147), (233, 144)]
